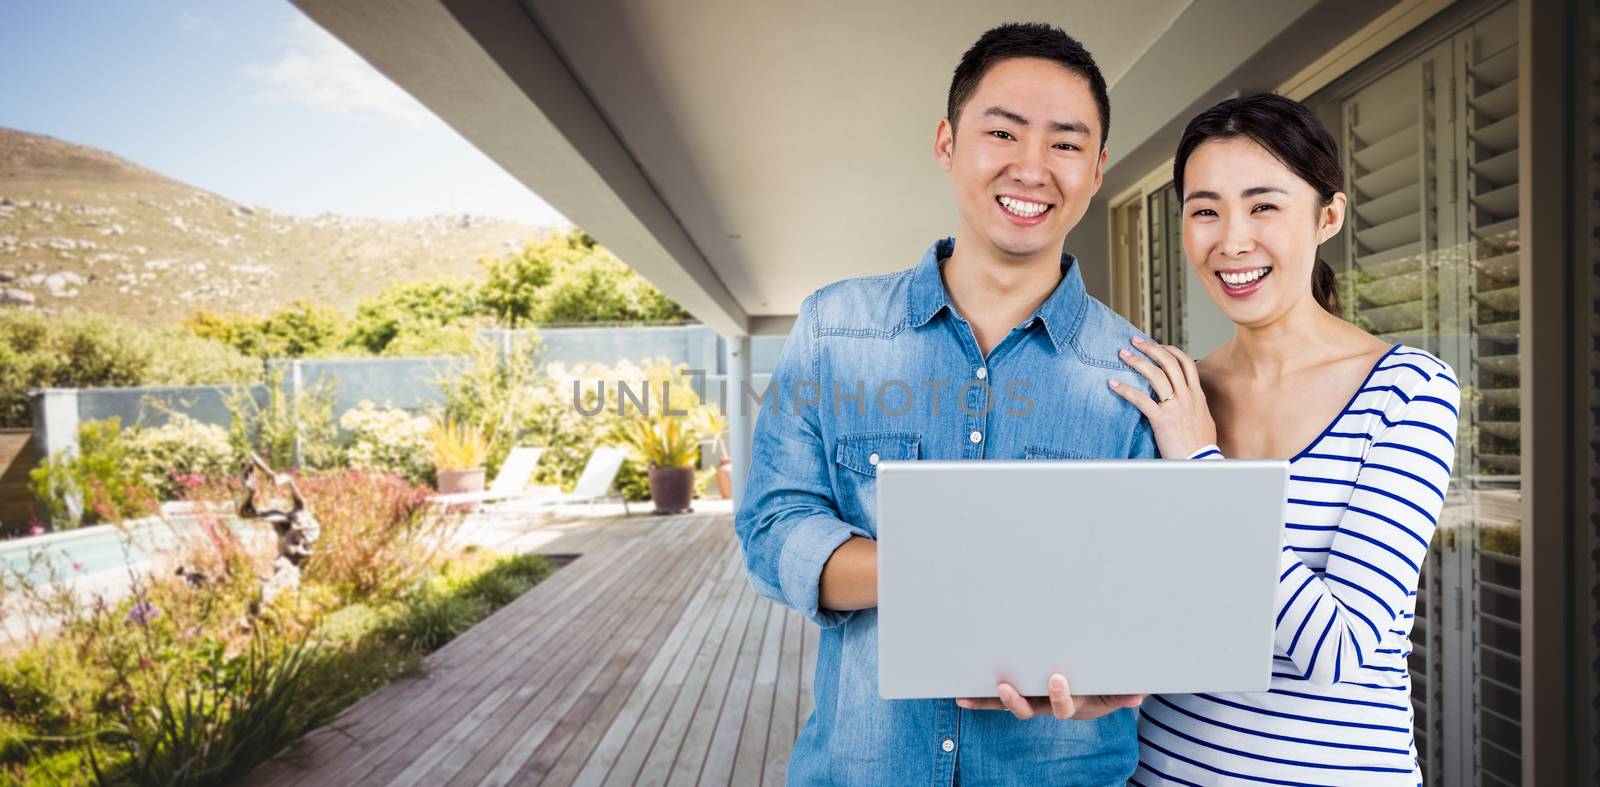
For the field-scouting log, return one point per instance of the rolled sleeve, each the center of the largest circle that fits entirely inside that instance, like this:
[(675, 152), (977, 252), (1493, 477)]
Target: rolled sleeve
[(809, 545), (788, 523)]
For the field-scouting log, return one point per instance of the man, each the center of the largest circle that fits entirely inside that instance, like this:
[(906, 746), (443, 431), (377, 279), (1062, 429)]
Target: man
[(988, 349)]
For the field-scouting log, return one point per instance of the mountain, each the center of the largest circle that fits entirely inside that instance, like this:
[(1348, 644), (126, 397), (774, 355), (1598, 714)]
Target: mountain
[(81, 228)]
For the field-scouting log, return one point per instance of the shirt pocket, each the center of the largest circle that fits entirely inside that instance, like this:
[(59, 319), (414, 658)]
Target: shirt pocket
[(1045, 452), (858, 457)]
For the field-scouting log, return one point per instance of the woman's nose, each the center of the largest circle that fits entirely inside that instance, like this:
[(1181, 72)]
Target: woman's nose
[(1236, 238)]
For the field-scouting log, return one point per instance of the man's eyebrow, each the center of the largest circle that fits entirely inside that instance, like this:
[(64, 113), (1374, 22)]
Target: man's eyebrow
[(1254, 191), (1071, 127), (1007, 114)]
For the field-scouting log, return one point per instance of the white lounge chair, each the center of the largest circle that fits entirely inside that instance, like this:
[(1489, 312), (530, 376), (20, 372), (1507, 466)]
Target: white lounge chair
[(510, 482), (594, 484)]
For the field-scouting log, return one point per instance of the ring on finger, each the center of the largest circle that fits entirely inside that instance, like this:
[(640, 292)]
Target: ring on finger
[(1168, 398)]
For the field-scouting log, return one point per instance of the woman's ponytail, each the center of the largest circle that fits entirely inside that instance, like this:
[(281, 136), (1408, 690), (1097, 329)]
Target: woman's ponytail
[(1325, 288)]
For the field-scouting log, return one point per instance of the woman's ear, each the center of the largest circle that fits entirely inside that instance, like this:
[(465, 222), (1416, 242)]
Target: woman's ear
[(1330, 218)]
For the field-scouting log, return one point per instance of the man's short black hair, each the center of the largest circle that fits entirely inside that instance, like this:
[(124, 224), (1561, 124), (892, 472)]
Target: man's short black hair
[(1031, 39)]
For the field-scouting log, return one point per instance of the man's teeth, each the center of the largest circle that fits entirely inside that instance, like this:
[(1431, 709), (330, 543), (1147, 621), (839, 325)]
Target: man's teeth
[(1023, 208), (1243, 277)]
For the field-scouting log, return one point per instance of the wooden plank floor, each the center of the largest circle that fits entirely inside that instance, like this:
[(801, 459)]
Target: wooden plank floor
[(646, 660)]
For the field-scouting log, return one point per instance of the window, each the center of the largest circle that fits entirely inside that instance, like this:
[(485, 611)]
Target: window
[(1430, 257), (1149, 272)]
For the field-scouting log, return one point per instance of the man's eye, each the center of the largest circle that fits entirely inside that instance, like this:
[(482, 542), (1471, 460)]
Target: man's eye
[(1002, 134), (1066, 146), (1263, 206)]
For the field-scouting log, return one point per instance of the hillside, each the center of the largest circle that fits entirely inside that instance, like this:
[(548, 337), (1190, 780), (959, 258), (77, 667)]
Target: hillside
[(81, 228)]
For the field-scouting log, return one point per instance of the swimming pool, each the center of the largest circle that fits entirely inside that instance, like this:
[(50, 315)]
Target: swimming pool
[(78, 553)]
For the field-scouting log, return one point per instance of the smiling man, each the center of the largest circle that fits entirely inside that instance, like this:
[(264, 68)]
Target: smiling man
[(988, 348)]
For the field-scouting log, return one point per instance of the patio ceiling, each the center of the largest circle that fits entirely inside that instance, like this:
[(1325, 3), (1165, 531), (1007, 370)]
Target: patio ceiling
[(738, 154)]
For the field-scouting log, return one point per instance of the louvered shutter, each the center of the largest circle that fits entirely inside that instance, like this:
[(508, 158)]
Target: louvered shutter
[(1489, 460), (1156, 244), (1168, 270), (1391, 227), (1391, 137)]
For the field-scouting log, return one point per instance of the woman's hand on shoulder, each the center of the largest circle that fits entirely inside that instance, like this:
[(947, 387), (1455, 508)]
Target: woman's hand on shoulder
[(1178, 412)]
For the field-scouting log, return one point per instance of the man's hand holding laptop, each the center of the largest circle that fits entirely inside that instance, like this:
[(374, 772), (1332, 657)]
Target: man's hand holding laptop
[(1061, 704)]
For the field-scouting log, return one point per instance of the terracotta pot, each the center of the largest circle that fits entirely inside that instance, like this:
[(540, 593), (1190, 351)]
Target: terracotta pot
[(725, 478), (453, 481), (671, 488)]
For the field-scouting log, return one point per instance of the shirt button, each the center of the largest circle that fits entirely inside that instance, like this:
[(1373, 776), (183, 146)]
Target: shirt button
[(976, 436), (949, 745), (982, 372), (872, 460)]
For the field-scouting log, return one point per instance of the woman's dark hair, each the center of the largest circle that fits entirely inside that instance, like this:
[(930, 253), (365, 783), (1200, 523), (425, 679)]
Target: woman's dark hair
[(1032, 39), (1292, 134)]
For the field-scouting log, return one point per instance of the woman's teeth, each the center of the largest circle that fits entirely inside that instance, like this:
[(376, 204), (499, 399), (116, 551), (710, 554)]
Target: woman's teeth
[(1023, 208), (1242, 278)]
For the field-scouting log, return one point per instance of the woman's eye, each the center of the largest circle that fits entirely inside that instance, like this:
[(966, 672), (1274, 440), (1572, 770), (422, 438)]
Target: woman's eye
[(1203, 212), (1001, 134), (1262, 207)]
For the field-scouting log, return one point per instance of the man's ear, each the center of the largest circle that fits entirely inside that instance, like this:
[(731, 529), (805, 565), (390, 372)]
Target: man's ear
[(1099, 170), (944, 144), (1330, 219)]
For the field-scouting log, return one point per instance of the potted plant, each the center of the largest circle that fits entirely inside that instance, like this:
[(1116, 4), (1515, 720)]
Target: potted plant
[(458, 454), (670, 449), (713, 424)]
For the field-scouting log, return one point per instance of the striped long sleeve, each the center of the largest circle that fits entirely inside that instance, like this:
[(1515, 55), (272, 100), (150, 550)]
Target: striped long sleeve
[(1364, 499), (1341, 613), (1332, 620)]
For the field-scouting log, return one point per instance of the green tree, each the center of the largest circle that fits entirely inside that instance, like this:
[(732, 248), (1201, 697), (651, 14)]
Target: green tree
[(82, 350), (295, 331), (511, 291), (427, 317), (570, 278)]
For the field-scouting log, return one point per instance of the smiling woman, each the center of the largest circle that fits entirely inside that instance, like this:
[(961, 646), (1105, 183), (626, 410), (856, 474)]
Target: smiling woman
[(1368, 428), (1252, 132)]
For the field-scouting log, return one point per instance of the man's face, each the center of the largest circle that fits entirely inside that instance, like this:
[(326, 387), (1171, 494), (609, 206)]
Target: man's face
[(1025, 157)]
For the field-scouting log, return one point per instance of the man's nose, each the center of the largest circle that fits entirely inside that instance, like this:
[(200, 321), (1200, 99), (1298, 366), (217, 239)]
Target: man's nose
[(1027, 167)]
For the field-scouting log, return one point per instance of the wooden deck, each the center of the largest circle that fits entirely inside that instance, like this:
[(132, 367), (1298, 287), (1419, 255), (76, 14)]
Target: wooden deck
[(646, 660)]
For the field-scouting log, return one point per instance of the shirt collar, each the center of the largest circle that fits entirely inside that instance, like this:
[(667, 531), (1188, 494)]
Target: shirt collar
[(1060, 313)]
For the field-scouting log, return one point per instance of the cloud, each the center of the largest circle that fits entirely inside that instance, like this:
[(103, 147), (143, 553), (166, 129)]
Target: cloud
[(319, 71)]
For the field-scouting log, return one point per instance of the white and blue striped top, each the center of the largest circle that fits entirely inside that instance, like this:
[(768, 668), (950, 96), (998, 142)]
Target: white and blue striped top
[(1364, 499)]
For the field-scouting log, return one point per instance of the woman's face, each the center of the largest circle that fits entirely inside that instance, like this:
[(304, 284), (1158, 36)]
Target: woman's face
[(1251, 228)]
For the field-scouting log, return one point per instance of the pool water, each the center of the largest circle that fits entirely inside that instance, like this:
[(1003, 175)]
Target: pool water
[(74, 554)]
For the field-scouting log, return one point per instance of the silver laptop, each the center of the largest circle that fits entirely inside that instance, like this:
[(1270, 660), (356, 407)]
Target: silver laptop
[(1128, 577)]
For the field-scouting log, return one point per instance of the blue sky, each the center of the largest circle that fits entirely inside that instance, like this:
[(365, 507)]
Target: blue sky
[(248, 99)]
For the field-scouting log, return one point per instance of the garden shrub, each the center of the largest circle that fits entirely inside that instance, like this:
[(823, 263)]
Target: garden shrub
[(285, 421), (379, 532), (180, 448), (166, 686), (496, 390), (101, 481), (388, 439)]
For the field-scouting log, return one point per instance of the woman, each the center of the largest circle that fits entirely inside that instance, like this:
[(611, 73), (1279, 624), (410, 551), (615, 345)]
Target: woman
[(1369, 429)]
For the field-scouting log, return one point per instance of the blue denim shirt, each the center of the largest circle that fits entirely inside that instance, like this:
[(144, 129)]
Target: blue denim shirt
[(879, 368)]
